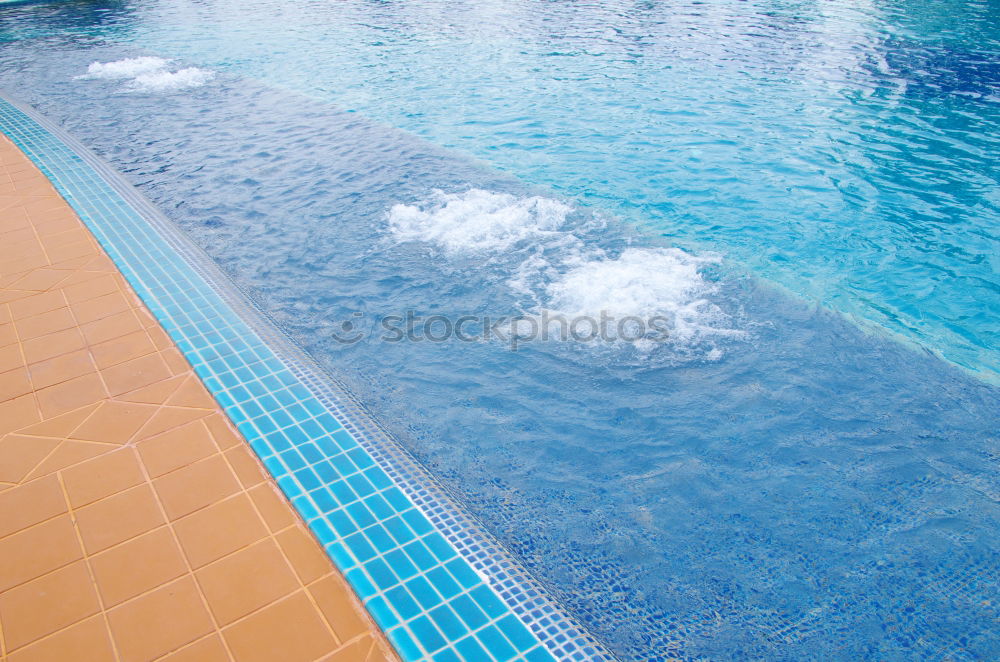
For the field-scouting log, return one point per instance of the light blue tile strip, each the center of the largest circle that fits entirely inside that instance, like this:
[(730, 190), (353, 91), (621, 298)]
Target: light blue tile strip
[(439, 587)]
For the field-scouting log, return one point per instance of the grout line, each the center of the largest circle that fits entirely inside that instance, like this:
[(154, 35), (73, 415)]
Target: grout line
[(90, 568)]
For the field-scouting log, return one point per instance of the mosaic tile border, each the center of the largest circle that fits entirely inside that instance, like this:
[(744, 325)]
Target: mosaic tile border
[(437, 584)]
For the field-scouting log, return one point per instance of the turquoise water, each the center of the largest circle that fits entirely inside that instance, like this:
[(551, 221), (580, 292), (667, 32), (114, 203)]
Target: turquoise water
[(809, 475), (847, 151)]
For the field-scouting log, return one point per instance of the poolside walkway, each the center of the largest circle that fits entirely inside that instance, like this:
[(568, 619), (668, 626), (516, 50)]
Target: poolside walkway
[(135, 523)]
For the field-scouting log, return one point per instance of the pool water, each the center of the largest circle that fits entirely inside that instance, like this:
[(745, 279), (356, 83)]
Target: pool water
[(807, 468)]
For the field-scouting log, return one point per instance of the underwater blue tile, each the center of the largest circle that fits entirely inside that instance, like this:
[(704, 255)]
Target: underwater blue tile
[(378, 536), (379, 506), (397, 499), (329, 423), (439, 547), (444, 583), (314, 431), (417, 522), (344, 439), (360, 547), (340, 555), (496, 643), (305, 507), (326, 472), (343, 465), (279, 442), (399, 530), (405, 644), (448, 623), (265, 424), (321, 529), (251, 409), (294, 461), (447, 655), (425, 632), (310, 452), (384, 616), (424, 593), (463, 572), (381, 573), (401, 564), (378, 478), (324, 500), (420, 555), (470, 650), (296, 435), (403, 602), (343, 492), (313, 406), (362, 585), (281, 418), (361, 486), (360, 458), (360, 514), (488, 600), (539, 654), (298, 412), (289, 486), (343, 524), (516, 632)]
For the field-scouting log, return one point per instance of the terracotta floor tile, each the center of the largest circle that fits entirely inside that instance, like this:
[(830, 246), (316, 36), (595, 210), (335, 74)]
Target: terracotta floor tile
[(356, 651), (273, 508), (125, 348), (118, 518), (156, 393), (11, 357), (112, 327), (223, 431), (18, 413), (159, 622), (8, 334), (219, 529), (209, 649), (36, 304), (14, 383), (50, 345), (196, 486), (30, 504), (61, 369), (176, 448), (41, 279), (168, 418), (86, 641), (20, 454), (134, 374), (62, 425), (101, 307), (137, 566), (5, 314), (102, 477), (341, 608), (114, 422), (69, 395), (246, 581), (305, 636), (42, 324), (91, 289), (47, 604), (302, 549), (68, 237), (67, 454), (38, 550), (192, 394), (248, 469)]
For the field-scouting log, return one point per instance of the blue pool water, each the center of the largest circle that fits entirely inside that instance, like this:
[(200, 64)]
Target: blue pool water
[(808, 468)]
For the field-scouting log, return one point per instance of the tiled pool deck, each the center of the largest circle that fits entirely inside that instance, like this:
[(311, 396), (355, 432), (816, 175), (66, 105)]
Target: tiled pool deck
[(440, 588), (135, 522)]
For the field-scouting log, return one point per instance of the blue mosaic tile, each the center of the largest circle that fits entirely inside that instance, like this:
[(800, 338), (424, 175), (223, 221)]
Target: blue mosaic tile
[(438, 586)]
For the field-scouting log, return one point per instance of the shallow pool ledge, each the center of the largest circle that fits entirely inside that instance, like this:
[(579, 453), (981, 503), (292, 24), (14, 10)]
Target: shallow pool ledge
[(438, 586)]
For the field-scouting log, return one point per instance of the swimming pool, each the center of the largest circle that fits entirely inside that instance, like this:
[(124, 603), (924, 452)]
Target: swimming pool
[(807, 468)]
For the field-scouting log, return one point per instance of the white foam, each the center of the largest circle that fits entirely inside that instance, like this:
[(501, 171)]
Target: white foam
[(643, 283), (476, 221), (166, 81), (127, 68)]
